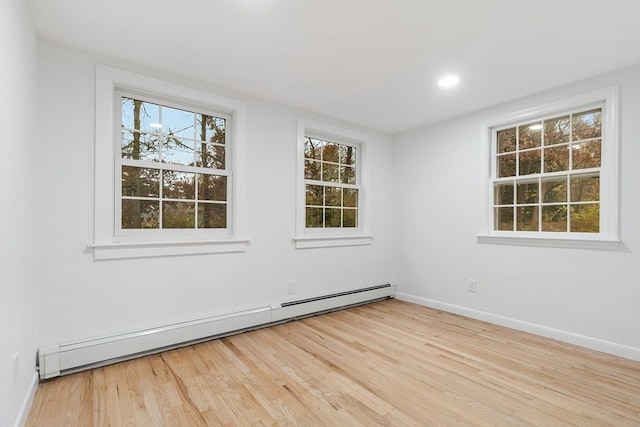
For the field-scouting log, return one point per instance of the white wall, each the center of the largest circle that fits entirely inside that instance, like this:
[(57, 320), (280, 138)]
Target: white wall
[(19, 182), (591, 297), (83, 298)]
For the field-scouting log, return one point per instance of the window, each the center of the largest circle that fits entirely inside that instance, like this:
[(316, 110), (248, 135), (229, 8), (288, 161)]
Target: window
[(547, 174), (554, 172), (168, 177), (331, 184), (332, 207), (173, 167)]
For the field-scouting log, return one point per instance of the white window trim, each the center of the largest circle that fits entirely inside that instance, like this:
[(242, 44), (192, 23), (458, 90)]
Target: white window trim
[(608, 238), (332, 237), (106, 245)]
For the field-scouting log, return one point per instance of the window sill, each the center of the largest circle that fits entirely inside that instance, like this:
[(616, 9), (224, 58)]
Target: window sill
[(104, 251), (552, 242), (331, 241)]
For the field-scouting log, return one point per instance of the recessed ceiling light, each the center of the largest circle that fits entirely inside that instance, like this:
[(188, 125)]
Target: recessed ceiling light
[(535, 127), (448, 81)]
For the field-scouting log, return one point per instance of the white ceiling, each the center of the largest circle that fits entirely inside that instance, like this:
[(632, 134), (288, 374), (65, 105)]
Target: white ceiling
[(374, 63)]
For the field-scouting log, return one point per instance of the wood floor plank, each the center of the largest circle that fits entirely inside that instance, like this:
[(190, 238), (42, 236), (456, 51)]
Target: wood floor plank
[(389, 363)]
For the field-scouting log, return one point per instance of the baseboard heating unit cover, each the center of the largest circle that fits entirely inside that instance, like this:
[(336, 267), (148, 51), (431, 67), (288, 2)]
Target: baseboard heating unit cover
[(66, 358)]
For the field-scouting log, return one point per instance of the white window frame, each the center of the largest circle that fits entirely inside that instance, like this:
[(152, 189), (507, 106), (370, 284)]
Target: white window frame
[(608, 236), (329, 237), (125, 235), (107, 243)]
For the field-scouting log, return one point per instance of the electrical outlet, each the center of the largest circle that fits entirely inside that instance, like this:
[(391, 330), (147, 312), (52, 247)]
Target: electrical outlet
[(15, 360), (292, 287), (473, 285)]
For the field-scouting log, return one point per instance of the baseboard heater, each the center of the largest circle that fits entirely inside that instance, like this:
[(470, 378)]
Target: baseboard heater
[(67, 358)]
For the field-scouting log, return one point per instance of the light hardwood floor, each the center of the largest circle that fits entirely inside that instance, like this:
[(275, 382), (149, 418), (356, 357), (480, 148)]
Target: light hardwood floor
[(386, 363)]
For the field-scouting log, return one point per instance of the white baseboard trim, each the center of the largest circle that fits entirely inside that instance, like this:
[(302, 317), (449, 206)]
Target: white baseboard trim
[(597, 344), (21, 420)]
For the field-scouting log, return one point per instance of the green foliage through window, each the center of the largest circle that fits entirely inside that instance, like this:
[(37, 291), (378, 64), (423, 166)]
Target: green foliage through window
[(547, 174), (331, 185), (172, 166)]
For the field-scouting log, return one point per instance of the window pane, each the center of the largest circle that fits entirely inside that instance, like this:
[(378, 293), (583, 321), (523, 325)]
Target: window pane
[(330, 162), (587, 125), (349, 217), (586, 154), (506, 165), (140, 182), (177, 122), (506, 140), (585, 189), (330, 172), (177, 151), (527, 218), (212, 215), (529, 162), (554, 218), (530, 135), (527, 193), (503, 194), (210, 156), (314, 218), (556, 159), (140, 146), (314, 195), (140, 115), (210, 128), (347, 155), (547, 174), (503, 219), (350, 197), (137, 214), (330, 152), (333, 196), (178, 215), (332, 217), (585, 218), (554, 190), (312, 170), (127, 112), (312, 148), (556, 131), (212, 187), (178, 185), (347, 175)]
